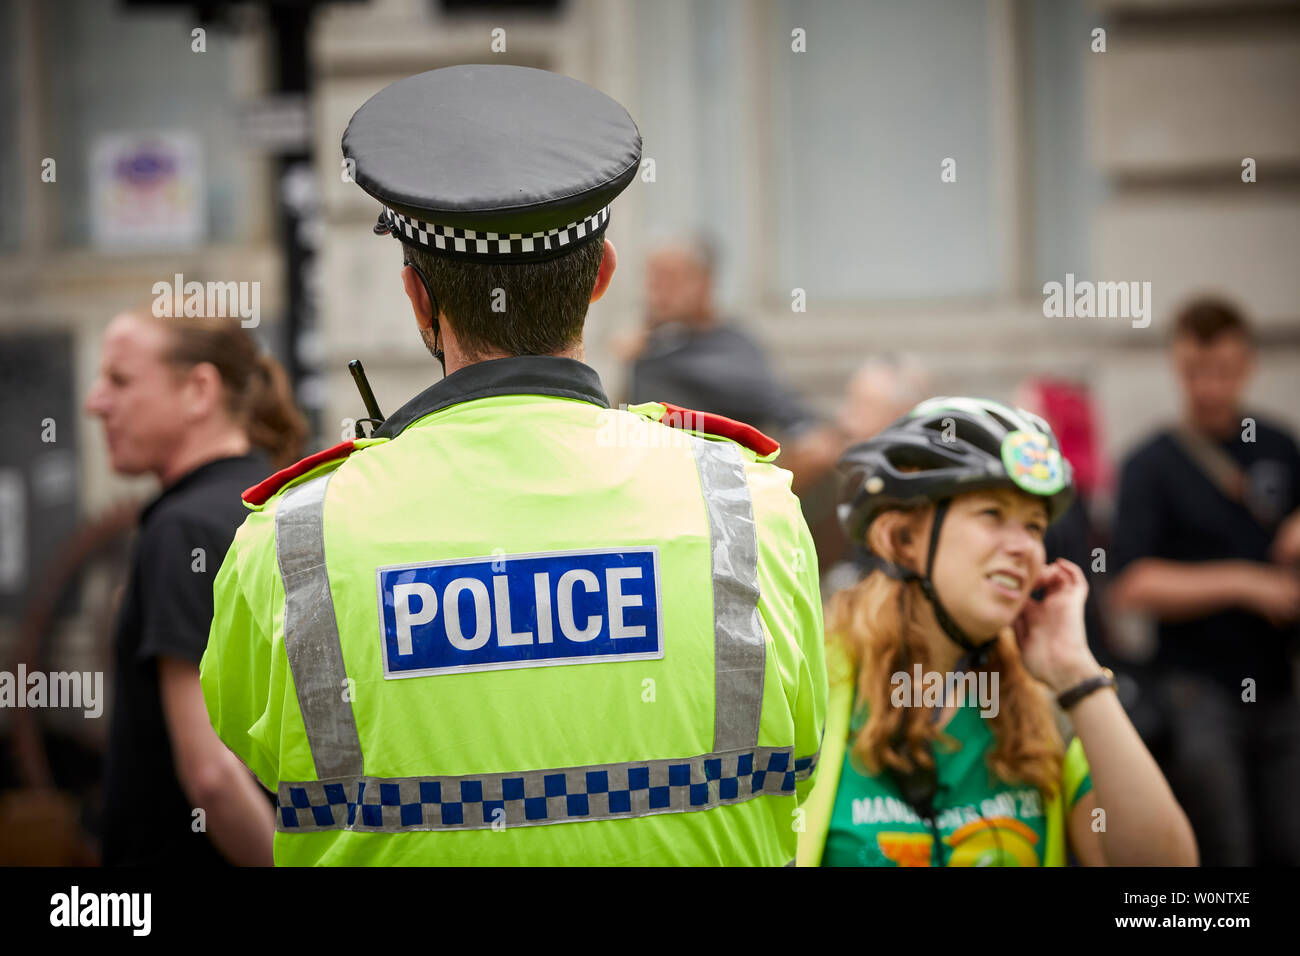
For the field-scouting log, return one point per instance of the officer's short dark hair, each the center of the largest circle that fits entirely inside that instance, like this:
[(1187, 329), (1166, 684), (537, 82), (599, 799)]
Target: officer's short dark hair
[(1205, 319), (544, 304)]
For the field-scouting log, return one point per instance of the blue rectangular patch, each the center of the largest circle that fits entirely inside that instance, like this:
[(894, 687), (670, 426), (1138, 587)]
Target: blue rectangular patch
[(520, 610)]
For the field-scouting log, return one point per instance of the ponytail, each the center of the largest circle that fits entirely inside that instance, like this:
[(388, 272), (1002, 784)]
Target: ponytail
[(273, 422)]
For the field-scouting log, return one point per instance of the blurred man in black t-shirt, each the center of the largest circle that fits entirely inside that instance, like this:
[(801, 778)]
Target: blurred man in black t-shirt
[(190, 401), (1207, 540)]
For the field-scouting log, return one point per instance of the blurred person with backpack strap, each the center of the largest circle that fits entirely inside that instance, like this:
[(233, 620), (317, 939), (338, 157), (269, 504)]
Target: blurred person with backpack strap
[(1207, 542)]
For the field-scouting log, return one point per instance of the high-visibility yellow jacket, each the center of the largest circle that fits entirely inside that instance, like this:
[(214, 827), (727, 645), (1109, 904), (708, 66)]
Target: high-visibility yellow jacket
[(520, 627), (839, 715)]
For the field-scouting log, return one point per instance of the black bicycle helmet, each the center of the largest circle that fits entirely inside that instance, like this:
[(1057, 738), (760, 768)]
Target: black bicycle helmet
[(942, 448), (946, 446)]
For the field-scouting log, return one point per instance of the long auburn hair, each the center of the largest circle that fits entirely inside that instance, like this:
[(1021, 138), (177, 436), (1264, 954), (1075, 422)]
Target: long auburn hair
[(881, 623)]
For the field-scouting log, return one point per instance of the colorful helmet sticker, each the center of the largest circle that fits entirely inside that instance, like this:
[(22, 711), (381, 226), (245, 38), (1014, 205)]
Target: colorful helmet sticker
[(1032, 462)]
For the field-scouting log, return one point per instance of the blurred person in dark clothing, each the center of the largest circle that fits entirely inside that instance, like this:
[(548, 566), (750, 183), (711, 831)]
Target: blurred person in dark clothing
[(686, 355), (1207, 541), (190, 401)]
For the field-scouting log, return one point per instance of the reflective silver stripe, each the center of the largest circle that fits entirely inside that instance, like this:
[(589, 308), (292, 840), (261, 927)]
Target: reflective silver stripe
[(536, 797), (739, 648), (311, 634)]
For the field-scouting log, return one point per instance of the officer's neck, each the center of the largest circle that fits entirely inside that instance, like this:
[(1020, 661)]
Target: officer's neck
[(456, 358)]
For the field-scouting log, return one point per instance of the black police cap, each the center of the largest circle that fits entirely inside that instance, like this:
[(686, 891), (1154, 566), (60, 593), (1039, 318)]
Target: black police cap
[(492, 163)]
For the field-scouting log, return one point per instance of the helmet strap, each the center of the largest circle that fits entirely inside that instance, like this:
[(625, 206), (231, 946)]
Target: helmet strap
[(976, 655)]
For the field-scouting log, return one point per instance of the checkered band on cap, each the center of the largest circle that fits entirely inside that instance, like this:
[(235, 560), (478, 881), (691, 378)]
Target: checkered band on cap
[(451, 239)]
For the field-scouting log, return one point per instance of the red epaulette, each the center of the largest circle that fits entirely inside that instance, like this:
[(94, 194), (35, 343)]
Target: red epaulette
[(261, 492), (739, 432)]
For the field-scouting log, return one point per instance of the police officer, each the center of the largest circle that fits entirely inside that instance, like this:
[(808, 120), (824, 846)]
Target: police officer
[(513, 607)]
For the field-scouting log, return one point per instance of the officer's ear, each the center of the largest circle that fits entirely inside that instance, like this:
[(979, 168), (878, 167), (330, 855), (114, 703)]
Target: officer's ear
[(419, 296), (608, 263)]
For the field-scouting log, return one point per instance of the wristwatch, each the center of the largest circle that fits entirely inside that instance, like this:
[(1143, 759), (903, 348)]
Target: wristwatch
[(1067, 699)]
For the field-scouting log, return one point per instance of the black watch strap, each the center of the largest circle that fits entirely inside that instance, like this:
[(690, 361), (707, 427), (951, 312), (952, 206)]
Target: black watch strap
[(1067, 699)]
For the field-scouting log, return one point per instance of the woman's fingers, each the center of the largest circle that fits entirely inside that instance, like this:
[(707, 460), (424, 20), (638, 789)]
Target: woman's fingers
[(1072, 570), (1078, 580), (1051, 577), (1060, 574)]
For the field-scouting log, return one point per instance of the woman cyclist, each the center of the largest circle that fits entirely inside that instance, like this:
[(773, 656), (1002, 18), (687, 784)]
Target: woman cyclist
[(942, 742)]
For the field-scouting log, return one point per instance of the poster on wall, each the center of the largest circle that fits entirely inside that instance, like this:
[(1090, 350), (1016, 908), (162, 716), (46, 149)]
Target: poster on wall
[(147, 191)]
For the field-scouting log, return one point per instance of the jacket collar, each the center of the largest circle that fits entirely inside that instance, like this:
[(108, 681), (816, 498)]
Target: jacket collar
[(517, 375)]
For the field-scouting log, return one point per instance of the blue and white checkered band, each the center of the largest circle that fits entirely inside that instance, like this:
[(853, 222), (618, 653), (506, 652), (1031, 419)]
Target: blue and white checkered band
[(514, 245), (540, 797)]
